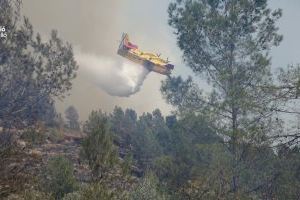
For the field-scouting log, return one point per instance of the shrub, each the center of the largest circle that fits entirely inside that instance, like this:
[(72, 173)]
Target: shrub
[(97, 191), (36, 195), (55, 135), (147, 189), (6, 144), (127, 164), (98, 147), (13, 163), (33, 137), (59, 178), (73, 196)]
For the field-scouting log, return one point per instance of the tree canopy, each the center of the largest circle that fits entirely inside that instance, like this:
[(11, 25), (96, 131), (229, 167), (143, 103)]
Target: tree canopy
[(32, 70), (228, 43)]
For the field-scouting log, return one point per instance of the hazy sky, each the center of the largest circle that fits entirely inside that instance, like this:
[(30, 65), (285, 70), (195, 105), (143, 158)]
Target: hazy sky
[(95, 26)]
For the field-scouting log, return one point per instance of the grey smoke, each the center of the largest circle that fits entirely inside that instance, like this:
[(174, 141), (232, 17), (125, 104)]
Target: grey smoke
[(116, 76)]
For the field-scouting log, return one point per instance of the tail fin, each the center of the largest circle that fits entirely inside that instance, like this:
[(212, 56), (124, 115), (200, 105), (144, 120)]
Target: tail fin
[(126, 42)]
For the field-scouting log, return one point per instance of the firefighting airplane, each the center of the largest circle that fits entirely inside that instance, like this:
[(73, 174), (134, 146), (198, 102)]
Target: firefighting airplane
[(151, 61)]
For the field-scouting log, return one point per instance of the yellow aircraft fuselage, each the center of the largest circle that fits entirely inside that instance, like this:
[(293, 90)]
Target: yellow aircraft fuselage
[(149, 60)]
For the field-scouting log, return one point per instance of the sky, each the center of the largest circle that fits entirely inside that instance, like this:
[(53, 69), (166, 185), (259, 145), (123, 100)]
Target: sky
[(95, 27)]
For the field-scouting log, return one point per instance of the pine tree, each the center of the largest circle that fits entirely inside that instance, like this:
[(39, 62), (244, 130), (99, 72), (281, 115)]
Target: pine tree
[(98, 147), (228, 42), (31, 71), (72, 117)]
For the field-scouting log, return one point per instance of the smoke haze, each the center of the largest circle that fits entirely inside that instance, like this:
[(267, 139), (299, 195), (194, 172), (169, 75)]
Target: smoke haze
[(117, 78), (95, 26)]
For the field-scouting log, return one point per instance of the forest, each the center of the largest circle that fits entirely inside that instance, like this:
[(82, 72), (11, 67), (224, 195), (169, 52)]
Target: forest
[(237, 139)]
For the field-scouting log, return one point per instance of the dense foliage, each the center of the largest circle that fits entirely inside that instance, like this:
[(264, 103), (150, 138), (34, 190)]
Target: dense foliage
[(192, 161), (98, 148), (32, 71), (228, 43), (58, 177)]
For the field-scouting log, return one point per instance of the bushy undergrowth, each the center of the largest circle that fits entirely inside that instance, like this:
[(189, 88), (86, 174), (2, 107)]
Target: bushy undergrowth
[(98, 148), (55, 135), (34, 137), (36, 195), (147, 189), (6, 144), (59, 178)]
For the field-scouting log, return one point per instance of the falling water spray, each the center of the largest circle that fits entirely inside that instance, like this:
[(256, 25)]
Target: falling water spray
[(116, 77)]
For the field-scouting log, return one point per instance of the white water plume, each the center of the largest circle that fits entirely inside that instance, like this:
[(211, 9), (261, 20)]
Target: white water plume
[(117, 78)]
